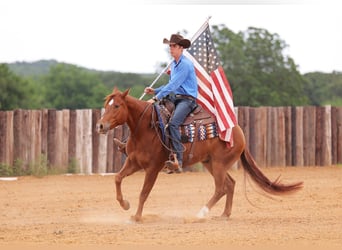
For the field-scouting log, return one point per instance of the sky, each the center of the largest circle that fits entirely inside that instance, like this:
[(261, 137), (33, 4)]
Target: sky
[(105, 35)]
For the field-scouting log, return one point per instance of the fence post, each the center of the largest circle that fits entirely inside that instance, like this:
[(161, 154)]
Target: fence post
[(297, 135), (6, 137), (96, 114), (288, 136), (84, 140), (309, 135), (336, 135), (323, 136), (51, 137), (258, 117)]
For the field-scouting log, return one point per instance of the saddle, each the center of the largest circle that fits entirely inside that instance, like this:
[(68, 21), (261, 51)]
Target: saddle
[(199, 125)]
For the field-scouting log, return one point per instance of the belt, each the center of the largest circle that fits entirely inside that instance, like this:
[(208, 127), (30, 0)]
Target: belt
[(185, 97)]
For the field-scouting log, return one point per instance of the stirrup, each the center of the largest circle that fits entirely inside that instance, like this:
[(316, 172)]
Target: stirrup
[(173, 166)]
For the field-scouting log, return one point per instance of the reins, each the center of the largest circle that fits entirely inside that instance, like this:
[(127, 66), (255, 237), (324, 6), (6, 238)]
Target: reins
[(140, 119), (138, 123), (153, 125)]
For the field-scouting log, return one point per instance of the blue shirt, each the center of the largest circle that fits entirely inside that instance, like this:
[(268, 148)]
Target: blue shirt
[(182, 80)]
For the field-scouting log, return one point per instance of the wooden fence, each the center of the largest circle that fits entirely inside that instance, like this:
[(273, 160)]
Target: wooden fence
[(276, 136)]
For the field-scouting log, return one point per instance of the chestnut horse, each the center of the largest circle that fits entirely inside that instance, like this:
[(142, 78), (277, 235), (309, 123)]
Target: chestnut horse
[(146, 151)]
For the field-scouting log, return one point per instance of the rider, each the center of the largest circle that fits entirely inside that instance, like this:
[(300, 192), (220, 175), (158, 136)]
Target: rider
[(182, 86), (182, 90)]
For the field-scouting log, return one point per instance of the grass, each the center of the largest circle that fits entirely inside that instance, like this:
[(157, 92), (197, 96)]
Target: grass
[(73, 166), (38, 168)]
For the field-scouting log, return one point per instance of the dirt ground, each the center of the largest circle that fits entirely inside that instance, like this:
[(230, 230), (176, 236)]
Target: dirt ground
[(81, 211)]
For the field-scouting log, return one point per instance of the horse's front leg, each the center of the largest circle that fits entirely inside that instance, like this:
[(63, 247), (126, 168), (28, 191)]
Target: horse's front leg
[(127, 169), (150, 178)]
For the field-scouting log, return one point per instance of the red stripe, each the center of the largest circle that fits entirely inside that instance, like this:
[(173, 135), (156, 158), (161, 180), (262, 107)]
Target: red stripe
[(203, 79), (208, 98), (202, 92), (225, 105), (204, 106), (226, 82), (222, 116), (229, 108)]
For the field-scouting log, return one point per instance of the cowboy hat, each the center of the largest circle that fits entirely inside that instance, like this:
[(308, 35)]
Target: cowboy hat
[(178, 39)]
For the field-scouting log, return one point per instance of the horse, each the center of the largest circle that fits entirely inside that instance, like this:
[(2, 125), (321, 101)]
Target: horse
[(146, 151)]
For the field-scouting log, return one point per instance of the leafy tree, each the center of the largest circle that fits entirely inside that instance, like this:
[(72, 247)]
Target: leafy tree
[(136, 82), (15, 92), (68, 86), (32, 69), (323, 88), (257, 69)]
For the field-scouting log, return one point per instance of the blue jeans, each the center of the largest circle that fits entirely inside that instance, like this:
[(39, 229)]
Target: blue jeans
[(183, 107)]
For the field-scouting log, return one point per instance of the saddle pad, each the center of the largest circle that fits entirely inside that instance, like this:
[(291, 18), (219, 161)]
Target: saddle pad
[(205, 131)]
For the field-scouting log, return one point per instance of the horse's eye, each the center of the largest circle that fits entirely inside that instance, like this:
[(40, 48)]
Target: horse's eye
[(116, 106)]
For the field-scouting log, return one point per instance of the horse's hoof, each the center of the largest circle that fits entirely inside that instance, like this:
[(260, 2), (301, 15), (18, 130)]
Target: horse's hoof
[(125, 205), (136, 218), (203, 212), (220, 218), (225, 216)]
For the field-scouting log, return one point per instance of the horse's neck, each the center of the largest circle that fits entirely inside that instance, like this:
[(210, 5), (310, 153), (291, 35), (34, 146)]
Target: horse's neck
[(139, 115)]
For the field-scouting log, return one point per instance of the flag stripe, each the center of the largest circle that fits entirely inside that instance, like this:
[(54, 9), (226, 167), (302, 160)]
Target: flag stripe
[(226, 82), (224, 99)]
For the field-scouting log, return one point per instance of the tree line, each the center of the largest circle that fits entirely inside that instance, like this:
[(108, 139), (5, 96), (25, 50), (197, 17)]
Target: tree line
[(256, 65)]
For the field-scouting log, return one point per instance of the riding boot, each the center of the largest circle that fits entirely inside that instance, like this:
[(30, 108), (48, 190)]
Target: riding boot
[(120, 145), (173, 165)]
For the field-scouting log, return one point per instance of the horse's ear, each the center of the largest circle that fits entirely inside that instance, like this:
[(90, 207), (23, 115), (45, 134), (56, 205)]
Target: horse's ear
[(126, 92)]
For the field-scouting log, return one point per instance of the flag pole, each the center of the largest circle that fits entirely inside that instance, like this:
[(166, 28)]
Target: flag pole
[(168, 65), (200, 29), (157, 78)]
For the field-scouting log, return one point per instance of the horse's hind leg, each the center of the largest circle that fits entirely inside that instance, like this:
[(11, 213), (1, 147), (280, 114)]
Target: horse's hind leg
[(232, 156), (224, 185), (220, 179), (229, 188)]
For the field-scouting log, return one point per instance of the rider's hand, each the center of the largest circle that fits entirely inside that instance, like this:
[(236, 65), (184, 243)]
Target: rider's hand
[(149, 90)]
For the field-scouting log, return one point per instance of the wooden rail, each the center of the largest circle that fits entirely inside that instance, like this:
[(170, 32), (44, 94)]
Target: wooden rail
[(276, 136)]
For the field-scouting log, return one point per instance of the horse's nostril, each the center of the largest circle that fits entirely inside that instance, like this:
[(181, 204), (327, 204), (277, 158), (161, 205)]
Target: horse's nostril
[(99, 127)]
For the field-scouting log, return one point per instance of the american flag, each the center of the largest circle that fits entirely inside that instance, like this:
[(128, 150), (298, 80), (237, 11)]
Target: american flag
[(214, 92)]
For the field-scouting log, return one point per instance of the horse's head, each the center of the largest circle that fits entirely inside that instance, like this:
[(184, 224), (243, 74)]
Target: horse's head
[(115, 113)]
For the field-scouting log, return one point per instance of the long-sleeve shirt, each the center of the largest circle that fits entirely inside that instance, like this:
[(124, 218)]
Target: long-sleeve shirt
[(182, 80)]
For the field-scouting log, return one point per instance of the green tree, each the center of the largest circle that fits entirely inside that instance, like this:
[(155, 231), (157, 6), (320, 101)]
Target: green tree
[(68, 86), (324, 88), (15, 92), (136, 82), (257, 69)]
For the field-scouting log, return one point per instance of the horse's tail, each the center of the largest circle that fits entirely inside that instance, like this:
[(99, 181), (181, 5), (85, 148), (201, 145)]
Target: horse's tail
[(275, 187)]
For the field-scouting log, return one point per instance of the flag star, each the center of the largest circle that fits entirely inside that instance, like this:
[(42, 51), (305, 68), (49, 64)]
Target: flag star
[(204, 52)]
